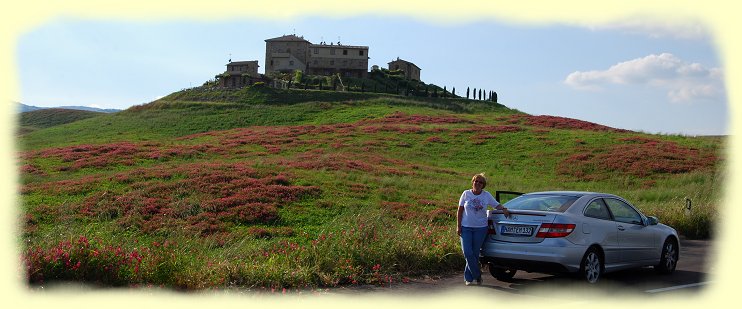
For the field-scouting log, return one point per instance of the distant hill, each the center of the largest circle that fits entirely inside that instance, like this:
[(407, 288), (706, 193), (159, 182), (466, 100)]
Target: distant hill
[(28, 108), (48, 117)]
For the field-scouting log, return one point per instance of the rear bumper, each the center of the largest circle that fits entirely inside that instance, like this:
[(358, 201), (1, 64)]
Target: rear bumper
[(553, 255)]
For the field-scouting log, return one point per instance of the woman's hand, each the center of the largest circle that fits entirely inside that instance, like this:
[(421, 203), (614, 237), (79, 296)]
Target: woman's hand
[(506, 212), (458, 230)]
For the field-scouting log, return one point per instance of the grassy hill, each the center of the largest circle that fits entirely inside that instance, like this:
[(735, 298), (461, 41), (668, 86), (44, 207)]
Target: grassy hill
[(262, 188), (49, 117)]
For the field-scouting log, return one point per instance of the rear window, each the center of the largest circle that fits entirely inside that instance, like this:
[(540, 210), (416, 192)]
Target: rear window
[(543, 202)]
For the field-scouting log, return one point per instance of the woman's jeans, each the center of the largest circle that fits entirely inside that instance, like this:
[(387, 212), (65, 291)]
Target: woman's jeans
[(472, 239)]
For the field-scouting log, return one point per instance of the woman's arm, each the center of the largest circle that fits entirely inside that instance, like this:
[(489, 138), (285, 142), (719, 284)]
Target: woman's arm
[(504, 210), (459, 215)]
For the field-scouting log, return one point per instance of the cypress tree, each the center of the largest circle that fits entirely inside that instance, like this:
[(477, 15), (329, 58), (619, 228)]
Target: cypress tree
[(467, 93), (494, 96), (474, 94), (444, 91), (453, 92)]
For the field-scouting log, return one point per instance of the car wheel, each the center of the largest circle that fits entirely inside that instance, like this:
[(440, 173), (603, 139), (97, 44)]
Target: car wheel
[(669, 258), (502, 274), (592, 266)]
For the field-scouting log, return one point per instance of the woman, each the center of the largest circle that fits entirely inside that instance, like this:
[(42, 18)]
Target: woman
[(471, 221)]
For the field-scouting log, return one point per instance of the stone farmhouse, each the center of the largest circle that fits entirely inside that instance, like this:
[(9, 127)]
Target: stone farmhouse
[(411, 71), (288, 53), (240, 74)]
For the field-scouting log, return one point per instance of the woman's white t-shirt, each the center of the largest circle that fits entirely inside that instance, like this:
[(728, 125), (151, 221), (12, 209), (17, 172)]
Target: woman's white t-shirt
[(475, 208)]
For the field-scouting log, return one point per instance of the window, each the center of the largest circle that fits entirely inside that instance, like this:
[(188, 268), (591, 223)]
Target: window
[(288, 50), (316, 62), (597, 209), (291, 62), (332, 62), (545, 202), (622, 212), (345, 51), (360, 53), (332, 51), (316, 50)]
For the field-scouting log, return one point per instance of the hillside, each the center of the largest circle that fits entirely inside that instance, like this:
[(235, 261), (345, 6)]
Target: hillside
[(22, 108), (265, 188), (49, 117)]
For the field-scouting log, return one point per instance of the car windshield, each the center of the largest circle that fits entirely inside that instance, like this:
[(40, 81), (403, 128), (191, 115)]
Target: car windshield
[(544, 202)]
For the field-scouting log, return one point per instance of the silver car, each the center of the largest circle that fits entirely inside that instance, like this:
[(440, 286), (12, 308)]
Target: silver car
[(586, 233)]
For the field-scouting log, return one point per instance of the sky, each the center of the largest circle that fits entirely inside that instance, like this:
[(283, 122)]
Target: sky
[(635, 75)]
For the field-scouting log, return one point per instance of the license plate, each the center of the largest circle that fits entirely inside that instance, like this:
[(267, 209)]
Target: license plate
[(516, 230)]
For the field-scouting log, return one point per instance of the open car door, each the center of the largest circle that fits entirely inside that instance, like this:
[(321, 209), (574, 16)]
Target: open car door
[(504, 196)]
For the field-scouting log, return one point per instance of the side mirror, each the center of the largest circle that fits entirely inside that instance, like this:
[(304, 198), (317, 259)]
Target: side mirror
[(651, 220)]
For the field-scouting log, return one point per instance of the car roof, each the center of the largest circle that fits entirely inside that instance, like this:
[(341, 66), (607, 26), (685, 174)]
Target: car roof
[(570, 193)]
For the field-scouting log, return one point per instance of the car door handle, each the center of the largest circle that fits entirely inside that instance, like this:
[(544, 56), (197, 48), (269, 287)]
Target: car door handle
[(621, 228)]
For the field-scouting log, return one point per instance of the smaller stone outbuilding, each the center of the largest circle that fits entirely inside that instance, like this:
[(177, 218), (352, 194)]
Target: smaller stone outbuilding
[(240, 74), (411, 71)]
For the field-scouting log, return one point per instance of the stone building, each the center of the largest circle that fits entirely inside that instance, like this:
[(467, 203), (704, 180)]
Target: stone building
[(411, 71), (288, 53), (240, 73)]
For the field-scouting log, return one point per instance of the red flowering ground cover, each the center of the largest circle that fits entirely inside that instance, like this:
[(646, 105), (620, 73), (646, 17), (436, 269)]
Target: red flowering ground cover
[(559, 123), (97, 262), (123, 153), (200, 198), (637, 156)]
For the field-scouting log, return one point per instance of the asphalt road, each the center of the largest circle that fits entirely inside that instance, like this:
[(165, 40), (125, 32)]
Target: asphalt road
[(690, 276)]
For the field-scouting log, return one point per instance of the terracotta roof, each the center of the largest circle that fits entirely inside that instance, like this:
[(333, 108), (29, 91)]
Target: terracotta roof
[(243, 62), (290, 38), (404, 61)]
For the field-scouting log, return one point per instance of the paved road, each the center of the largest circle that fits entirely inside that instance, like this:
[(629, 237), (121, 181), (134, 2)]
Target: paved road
[(690, 276)]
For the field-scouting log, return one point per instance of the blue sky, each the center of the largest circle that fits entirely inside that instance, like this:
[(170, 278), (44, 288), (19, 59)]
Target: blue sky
[(634, 75)]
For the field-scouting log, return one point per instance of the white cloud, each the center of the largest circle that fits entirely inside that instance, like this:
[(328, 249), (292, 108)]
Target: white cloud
[(683, 81)]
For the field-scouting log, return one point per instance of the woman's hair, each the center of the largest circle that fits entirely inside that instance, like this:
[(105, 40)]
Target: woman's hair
[(481, 177)]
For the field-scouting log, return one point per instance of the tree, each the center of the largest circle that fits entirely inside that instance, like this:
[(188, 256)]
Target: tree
[(494, 96), (474, 94), (453, 92), (480, 93), (467, 93), (444, 91), (298, 76)]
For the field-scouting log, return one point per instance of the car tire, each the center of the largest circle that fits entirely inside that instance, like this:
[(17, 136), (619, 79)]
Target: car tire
[(502, 274), (669, 257), (591, 267)]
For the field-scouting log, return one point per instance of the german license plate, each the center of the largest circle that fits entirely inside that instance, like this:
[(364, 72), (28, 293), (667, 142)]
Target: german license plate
[(516, 230)]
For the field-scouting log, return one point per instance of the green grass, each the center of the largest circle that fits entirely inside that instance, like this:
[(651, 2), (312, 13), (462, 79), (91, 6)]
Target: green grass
[(45, 118), (265, 188)]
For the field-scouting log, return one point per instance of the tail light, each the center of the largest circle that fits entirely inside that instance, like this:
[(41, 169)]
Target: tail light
[(555, 230), (490, 228)]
